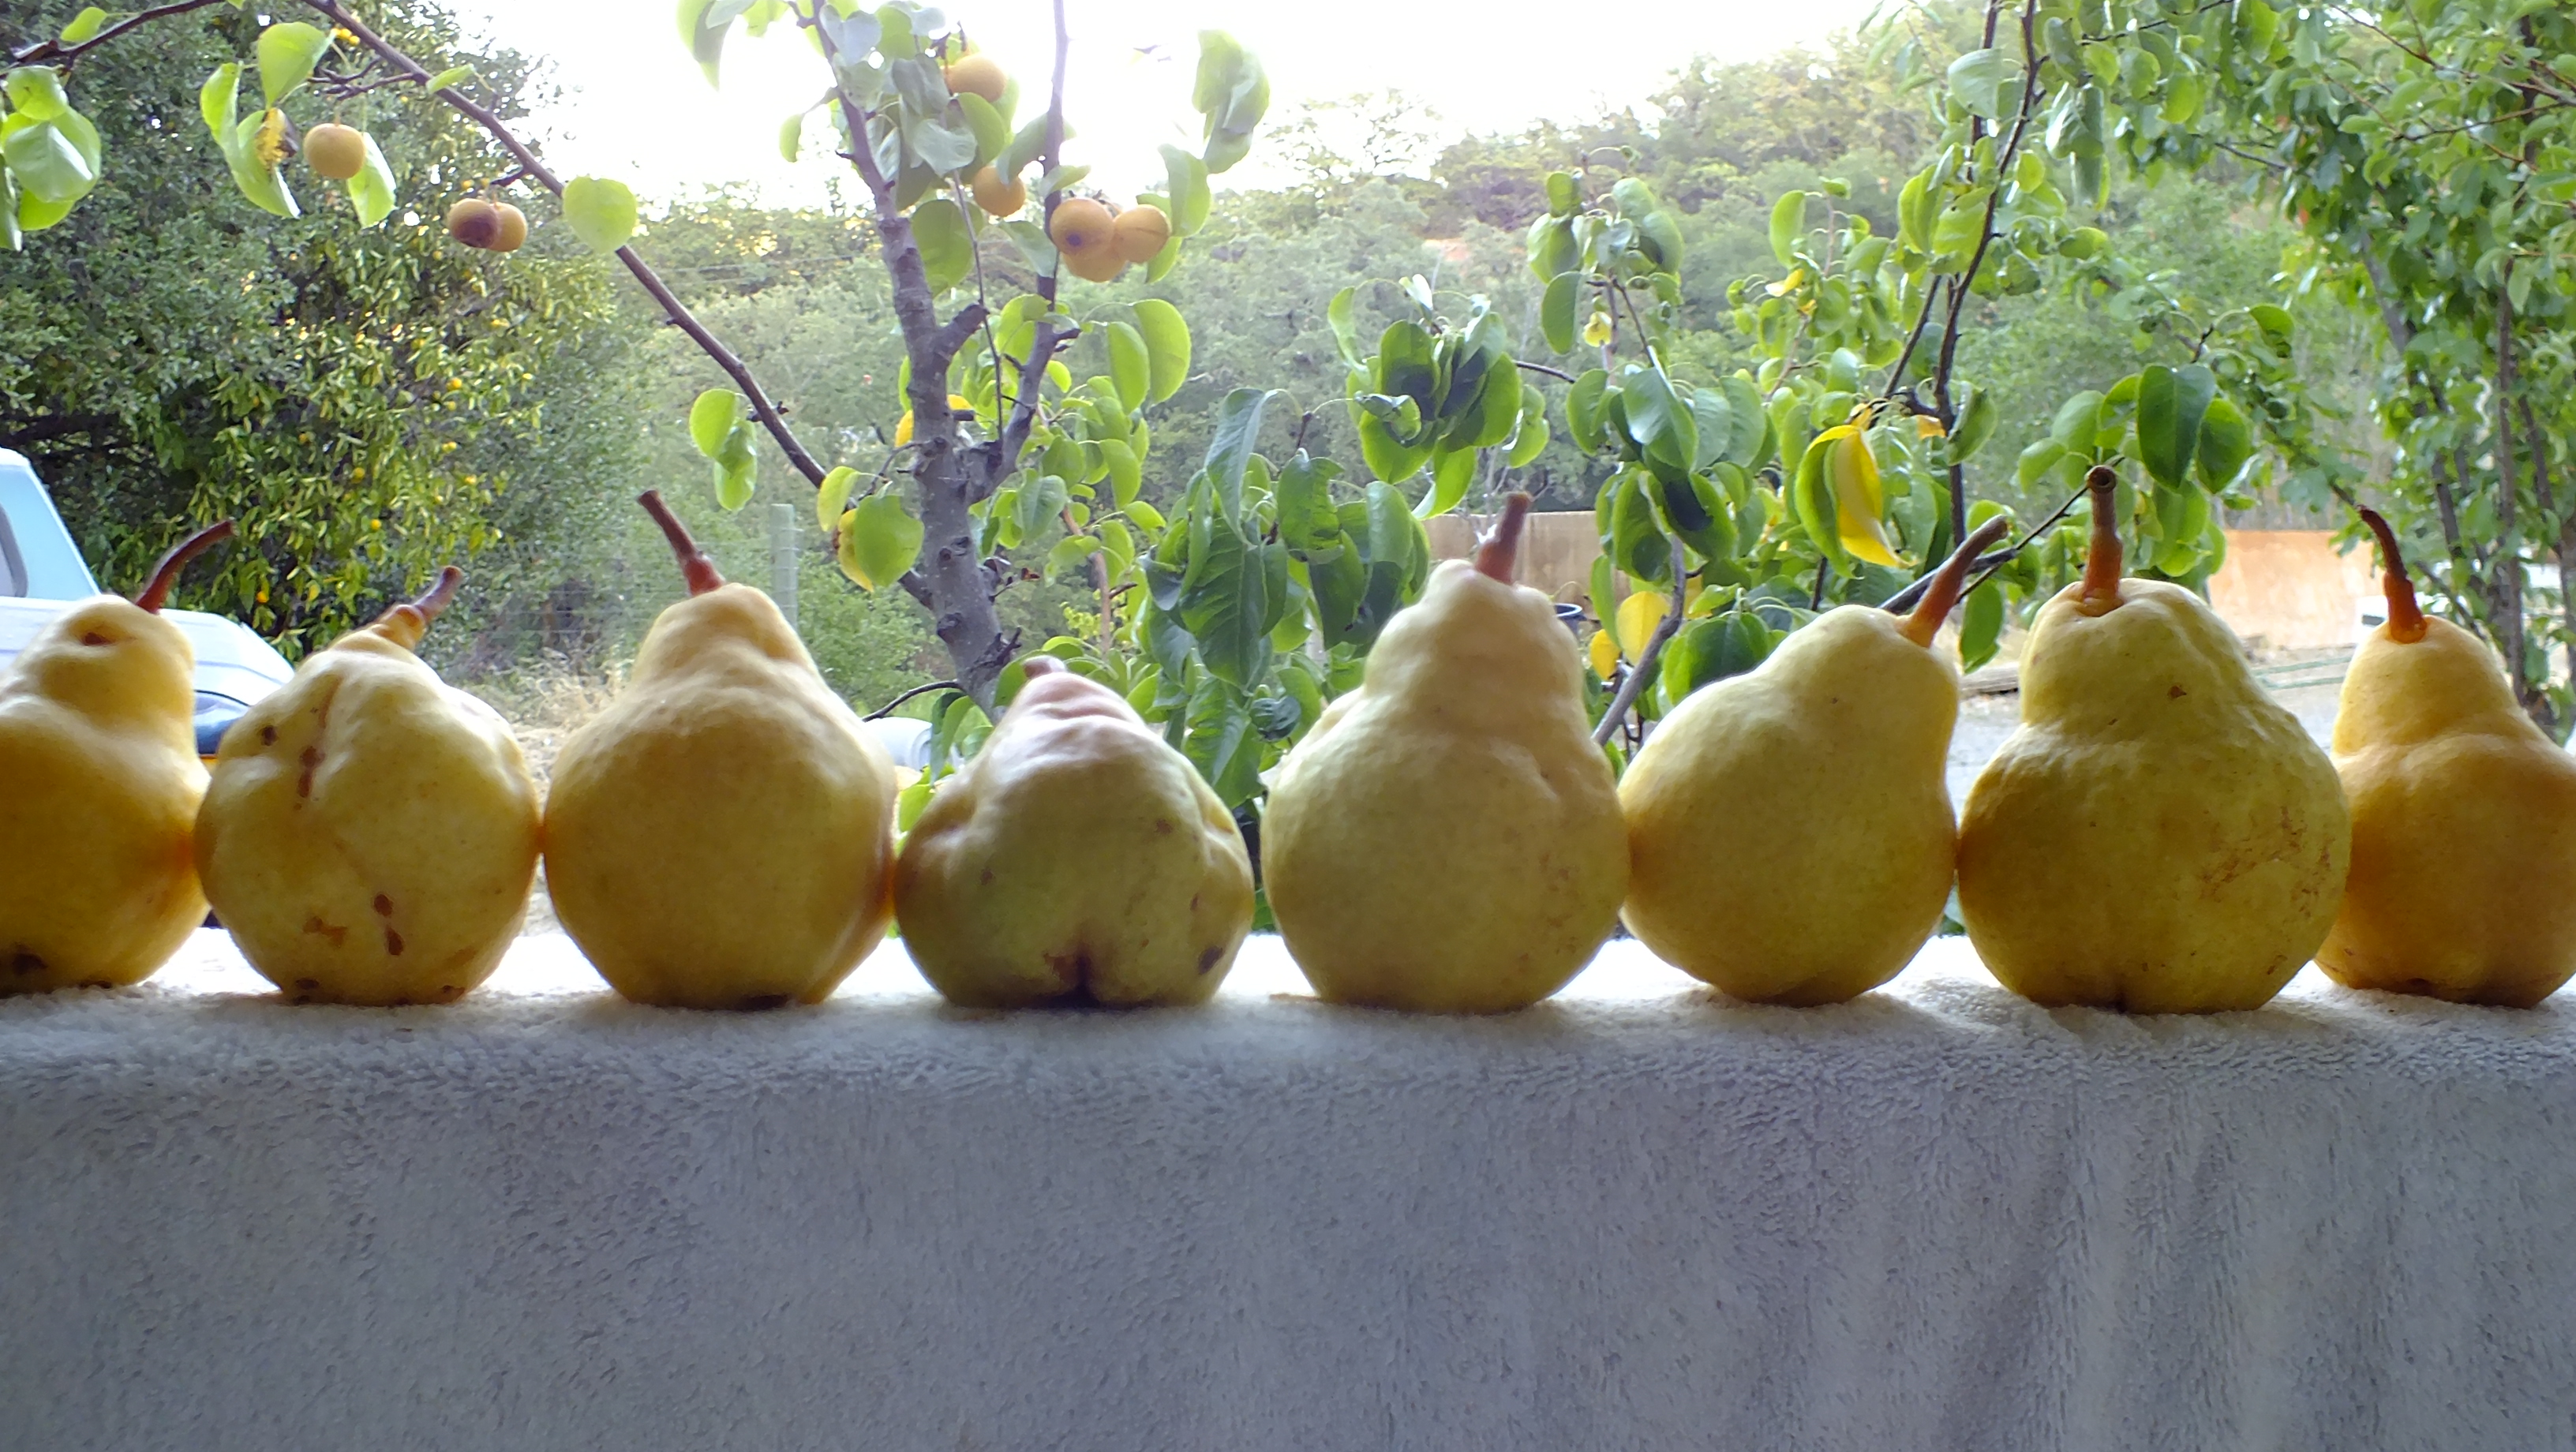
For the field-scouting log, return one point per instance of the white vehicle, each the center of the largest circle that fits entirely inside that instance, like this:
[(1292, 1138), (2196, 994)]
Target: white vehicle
[(42, 575)]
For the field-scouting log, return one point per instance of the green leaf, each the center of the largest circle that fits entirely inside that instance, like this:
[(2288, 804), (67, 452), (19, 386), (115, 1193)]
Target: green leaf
[(882, 540), (703, 24), (1225, 600), (832, 496), (36, 92), (2226, 442), (1705, 652), (712, 418), (1023, 148), (1916, 209), (218, 101), (1530, 433), (2171, 404), (1562, 198), (1126, 471), (1556, 312), (947, 242), (84, 26), (602, 212), (737, 469), (371, 191), (986, 125), (1657, 420), (1977, 418), (791, 136), (1981, 626), (2075, 420), (46, 163), (1238, 424), (2036, 460), (1339, 313), (1223, 742), (1186, 189), (1128, 365), (1584, 416), (1979, 79), (2274, 321), (1072, 550), (1452, 470), (452, 76), (1167, 346), (1788, 226), (1551, 247), (1746, 421), (287, 53)]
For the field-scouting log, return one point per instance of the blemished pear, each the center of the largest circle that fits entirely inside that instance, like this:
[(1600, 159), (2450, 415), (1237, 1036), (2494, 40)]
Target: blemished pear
[(2158, 836), (1447, 838), (1077, 859), (99, 783), (2463, 880), (722, 836), (1845, 731), (371, 832)]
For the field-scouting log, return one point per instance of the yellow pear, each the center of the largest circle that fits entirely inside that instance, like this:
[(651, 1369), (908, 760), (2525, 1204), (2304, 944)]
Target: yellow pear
[(2463, 878), (1844, 731), (1447, 838), (99, 781), (2158, 836), (1077, 858), (722, 835), (370, 832)]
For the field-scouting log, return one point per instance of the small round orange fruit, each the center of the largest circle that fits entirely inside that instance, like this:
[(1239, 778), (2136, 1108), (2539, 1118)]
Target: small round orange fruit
[(514, 227), (474, 222), (1098, 265), (997, 197), (335, 151), (1140, 232), (1079, 226), (978, 74)]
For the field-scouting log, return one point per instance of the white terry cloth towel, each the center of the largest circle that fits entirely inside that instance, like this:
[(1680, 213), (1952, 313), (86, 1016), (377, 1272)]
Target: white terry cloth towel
[(1639, 1216)]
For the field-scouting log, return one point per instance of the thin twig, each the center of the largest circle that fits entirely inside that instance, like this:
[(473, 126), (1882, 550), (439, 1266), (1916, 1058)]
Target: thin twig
[(59, 52), (1634, 683), (881, 712)]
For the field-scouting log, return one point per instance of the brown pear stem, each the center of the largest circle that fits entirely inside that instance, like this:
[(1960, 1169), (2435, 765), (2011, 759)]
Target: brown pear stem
[(1943, 592), (2101, 593), (442, 593), (695, 567), (165, 575), (407, 622), (1498, 553), (2405, 617), (1032, 667)]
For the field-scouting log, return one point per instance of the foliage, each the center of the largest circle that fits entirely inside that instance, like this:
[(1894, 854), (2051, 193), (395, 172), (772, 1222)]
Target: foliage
[(2428, 153), (367, 401)]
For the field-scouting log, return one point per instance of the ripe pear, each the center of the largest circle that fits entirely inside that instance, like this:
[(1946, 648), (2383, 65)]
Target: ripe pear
[(1844, 729), (1077, 858), (722, 836), (371, 832), (2158, 836), (335, 151), (2463, 880), (99, 781), (1447, 838)]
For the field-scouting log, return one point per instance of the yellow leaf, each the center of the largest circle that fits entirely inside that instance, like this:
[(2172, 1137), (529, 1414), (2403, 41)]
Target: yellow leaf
[(1597, 331), (1857, 504), (1789, 284), (1604, 653), (845, 544), (1928, 427), (1639, 614), (270, 144)]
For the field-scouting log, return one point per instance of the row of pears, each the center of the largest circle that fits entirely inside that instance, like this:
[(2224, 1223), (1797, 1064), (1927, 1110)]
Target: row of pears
[(2157, 836)]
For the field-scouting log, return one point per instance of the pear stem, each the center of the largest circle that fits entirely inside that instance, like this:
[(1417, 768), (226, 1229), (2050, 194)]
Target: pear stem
[(407, 622), (2405, 617), (2101, 593), (1946, 587), (165, 575), (1498, 554), (1035, 666), (434, 601), (695, 567)]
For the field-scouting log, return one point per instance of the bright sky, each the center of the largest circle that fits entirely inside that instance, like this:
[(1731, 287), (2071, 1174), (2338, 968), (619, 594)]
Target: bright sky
[(636, 108)]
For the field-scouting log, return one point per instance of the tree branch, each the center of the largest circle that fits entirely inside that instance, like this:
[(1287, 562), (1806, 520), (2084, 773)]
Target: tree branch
[(734, 368), (1634, 683), (57, 52)]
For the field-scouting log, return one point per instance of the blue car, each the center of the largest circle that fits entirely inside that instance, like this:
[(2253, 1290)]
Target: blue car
[(42, 575)]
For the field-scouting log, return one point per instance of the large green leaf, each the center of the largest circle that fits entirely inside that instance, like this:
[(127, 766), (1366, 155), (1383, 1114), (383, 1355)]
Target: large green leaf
[(1660, 424), (287, 53), (947, 243), (36, 92), (1186, 189), (1746, 422), (2171, 404), (1238, 426), (602, 212), (1223, 742), (712, 417), (1225, 600), (1980, 80), (883, 539), (1556, 312), (1167, 346), (1452, 470), (703, 24), (371, 191), (2226, 442), (46, 163), (1788, 226), (1129, 368)]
